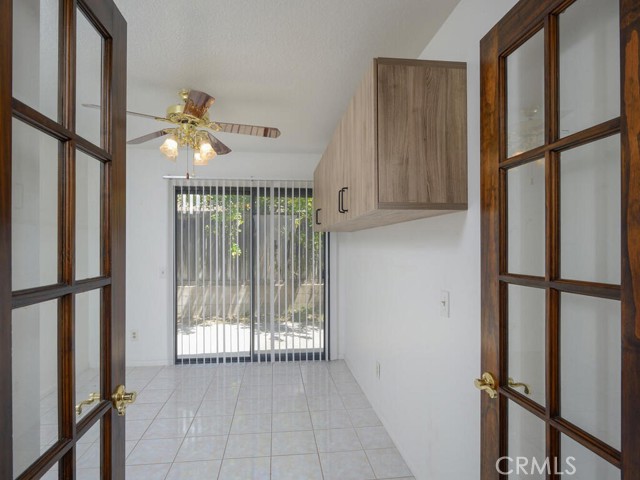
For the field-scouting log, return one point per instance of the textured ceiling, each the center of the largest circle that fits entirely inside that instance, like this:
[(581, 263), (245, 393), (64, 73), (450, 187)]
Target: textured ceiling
[(292, 64)]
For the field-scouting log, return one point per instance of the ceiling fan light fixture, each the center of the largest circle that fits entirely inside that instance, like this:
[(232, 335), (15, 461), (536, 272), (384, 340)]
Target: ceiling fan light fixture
[(170, 148), (198, 160), (191, 124), (206, 150)]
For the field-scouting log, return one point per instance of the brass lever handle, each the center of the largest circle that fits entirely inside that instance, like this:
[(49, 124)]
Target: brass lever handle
[(514, 384), (93, 398), (122, 398), (487, 384)]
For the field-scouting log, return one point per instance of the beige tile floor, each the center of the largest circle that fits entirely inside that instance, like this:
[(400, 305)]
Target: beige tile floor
[(298, 421)]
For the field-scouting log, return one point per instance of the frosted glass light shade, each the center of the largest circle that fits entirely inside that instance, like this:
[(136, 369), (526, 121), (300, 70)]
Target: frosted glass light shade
[(206, 151), (198, 160), (170, 148)]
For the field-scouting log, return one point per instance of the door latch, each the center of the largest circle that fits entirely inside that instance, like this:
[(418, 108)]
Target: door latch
[(487, 384)]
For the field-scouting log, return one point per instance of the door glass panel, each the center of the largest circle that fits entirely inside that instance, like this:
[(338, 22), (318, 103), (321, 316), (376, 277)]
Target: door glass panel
[(89, 80), (525, 96), (34, 368), (34, 208), (525, 212), (590, 365), (584, 464), (590, 211), (527, 340), (527, 441), (35, 54), (589, 64), (88, 454), (88, 215), (87, 348)]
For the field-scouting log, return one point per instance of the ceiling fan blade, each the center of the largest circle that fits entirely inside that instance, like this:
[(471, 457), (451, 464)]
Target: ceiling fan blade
[(254, 130), (218, 146), (147, 137), (134, 114), (198, 103)]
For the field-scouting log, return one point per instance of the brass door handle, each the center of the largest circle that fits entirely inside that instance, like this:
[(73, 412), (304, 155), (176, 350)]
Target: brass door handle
[(487, 384), (513, 384), (122, 398), (93, 398)]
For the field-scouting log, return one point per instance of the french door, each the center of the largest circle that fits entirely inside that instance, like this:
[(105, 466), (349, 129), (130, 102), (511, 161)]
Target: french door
[(250, 272), (560, 205), (62, 234)]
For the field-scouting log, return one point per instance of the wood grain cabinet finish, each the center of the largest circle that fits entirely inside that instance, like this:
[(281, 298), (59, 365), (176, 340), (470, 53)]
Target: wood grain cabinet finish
[(399, 152)]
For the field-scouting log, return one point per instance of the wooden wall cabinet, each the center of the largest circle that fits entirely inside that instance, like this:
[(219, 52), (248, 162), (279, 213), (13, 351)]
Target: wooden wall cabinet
[(399, 152)]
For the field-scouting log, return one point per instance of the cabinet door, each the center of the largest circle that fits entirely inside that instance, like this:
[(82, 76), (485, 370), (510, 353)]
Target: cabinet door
[(422, 134), (336, 178), (319, 196), (328, 180), (359, 148)]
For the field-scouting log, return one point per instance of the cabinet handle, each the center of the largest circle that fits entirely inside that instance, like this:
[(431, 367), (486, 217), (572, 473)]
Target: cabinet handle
[(344, 189), (340, 192), (317, 212)]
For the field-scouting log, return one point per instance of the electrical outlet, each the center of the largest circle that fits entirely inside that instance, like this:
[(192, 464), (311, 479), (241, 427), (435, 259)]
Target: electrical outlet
[(444, 304), (378, 370), (134, 335)]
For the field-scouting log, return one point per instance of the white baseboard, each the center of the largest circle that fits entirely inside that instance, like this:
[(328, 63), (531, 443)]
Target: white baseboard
[(148, 363)]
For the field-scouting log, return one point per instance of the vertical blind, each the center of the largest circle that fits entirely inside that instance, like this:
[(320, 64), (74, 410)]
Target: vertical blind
[(249, 272)]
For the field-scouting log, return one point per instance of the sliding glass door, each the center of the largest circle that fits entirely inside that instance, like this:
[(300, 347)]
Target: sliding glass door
[(249, 273)]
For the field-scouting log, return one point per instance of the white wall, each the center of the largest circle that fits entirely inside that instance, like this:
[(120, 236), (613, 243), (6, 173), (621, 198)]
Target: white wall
[(389, 282), (150, 234)]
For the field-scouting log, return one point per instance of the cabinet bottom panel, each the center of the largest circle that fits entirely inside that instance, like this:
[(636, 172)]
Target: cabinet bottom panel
[(379, 218)]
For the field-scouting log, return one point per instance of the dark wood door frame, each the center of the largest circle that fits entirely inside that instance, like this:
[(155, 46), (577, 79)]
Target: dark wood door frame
[(527, 17), (112, 26)]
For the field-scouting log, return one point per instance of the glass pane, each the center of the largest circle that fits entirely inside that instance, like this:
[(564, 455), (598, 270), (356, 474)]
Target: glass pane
[(525, 211), (34, 208), (213, 265), (34, 367), (527, 340), (35, 54), (290, 292), (578, 462), (525, 96), (590, 365), (88, 454), (526, 443), (88, 216), (589, 64), (89, 79), (87, 348), (52, 474), (590, 211)]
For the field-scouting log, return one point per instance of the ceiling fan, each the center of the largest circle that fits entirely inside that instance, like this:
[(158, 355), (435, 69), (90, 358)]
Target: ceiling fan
[(192, 128)]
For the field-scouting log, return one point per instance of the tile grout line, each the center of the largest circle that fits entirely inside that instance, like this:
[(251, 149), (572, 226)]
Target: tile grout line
[(224, 452), (191, 423), (145, 430), (272, 413), (354, 428), (174, 390), (315, 439)]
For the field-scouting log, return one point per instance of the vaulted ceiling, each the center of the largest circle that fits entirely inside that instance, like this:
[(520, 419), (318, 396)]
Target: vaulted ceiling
[(292, 64)]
